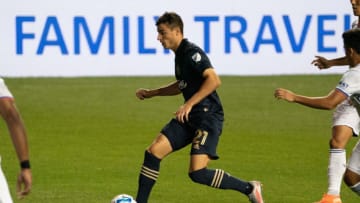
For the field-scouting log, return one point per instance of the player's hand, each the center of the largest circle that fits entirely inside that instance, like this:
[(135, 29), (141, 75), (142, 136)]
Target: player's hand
[(182, 114), (321, 62), (142, 93), (24, 183), (284, 94)]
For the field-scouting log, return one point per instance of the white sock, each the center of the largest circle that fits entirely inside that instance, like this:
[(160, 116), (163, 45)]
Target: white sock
[(336, 170), (356, 188)]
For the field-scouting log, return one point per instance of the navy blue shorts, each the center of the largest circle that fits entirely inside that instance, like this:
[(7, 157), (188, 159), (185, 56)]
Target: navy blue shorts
[(203, 134)]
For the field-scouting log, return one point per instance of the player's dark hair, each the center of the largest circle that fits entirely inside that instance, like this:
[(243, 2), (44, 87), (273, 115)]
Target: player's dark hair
[(172, 19), (352, 39)]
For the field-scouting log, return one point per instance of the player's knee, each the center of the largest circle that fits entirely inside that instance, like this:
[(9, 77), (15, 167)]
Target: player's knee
[(347, 180), (199, 176), (337, 144), (160, 147), (351, 178)]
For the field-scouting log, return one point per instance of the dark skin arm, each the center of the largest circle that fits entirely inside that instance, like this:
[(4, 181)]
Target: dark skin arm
[(323, 63), (18, 135)]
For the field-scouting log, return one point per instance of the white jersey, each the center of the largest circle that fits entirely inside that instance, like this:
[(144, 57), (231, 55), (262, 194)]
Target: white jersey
[(350, 82), (4, 91), (354, 160), (345, 113)]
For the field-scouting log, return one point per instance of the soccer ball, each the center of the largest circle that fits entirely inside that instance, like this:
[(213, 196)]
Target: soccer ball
[(123, 198)]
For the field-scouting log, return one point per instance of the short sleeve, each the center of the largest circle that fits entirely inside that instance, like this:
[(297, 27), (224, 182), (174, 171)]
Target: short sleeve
[(350, 83), (200, 61)]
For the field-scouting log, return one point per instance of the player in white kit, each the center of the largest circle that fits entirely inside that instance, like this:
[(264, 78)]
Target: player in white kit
[(345, 118), (335, 165), (18, 135), (352, 174), (322, 62)]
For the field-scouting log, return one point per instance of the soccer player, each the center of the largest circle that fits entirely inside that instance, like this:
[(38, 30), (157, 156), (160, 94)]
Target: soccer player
[(345, 118), (336, 167), (322, 62), (352, 47), (197, 122), (18, 135)]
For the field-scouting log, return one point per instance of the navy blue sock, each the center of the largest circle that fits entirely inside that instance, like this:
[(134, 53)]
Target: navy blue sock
[(148, 176), (220, 179)]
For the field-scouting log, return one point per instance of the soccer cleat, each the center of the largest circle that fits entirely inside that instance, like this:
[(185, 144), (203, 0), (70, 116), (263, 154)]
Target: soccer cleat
[(255, 196), (327, 198)]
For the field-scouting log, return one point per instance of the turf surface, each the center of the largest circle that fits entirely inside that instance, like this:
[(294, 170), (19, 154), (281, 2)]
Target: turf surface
[(88, 135)]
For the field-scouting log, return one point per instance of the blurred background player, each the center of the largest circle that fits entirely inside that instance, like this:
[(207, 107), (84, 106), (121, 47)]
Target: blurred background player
[(322, 62), (198, 121), (345, 119), (337, 160), (18, 135)]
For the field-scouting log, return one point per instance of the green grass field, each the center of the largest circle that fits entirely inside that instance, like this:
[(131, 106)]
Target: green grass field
[(88, 136)]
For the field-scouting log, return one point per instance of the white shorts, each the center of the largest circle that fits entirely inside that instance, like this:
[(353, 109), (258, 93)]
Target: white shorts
[(4, 91), (5, 196), (347, 115), (354, 161)]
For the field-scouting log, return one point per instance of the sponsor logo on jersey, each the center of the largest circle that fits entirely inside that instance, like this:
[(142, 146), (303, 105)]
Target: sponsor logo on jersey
[(196, 57)]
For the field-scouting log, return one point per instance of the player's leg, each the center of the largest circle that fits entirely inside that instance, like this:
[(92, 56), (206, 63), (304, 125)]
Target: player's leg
[(4, 189), (352, 180), (337, 157), (151, 166), (172, 137), (216, 178), (203, 150), (352, 173), (341, 134)]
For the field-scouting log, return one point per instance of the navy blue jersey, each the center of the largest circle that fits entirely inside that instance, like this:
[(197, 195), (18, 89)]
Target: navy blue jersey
[(190, 63)]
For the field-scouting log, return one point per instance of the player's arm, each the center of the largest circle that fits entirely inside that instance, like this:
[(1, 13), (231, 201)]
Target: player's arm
[(328, 102), (168, 90), (18, 135), (210, 84), (323, 63)]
